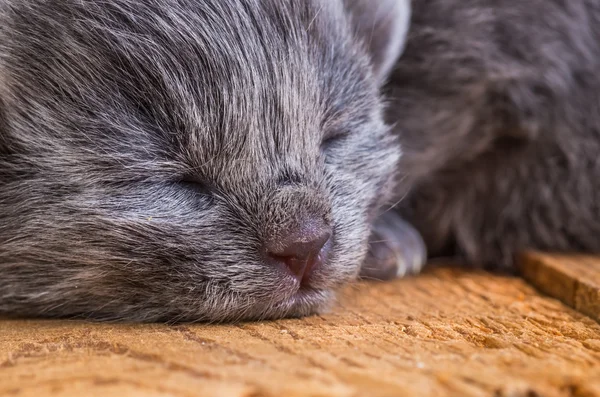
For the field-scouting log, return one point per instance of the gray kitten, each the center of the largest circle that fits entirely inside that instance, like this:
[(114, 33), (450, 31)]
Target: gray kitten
[(497, 107), (191, 160)]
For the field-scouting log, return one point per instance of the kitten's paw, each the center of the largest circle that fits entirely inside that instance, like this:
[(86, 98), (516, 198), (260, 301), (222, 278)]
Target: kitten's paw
[(396, 249)]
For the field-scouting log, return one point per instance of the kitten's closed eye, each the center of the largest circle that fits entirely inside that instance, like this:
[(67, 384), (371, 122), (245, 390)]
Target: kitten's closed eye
[(333, 139), (288, 178), (196, 185)]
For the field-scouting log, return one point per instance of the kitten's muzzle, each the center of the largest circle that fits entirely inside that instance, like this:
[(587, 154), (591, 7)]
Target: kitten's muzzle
[(301, 250)]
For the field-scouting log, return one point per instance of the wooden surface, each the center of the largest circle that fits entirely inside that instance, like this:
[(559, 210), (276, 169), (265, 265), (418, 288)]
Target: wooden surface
[(445, 333), (574, 279)]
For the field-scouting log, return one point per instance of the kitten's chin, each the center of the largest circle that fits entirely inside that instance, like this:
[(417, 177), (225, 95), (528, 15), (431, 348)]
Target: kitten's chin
[(304, 302), (301, 303)]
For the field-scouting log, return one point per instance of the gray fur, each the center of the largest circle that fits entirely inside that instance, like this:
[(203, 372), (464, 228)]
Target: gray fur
[(497, 107), (148, 147)]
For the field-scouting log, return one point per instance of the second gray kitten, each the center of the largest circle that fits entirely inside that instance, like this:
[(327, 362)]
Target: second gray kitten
[(497, 107)]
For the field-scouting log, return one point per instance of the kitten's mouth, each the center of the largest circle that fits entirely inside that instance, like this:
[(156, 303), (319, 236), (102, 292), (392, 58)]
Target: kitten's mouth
[(312, 292)]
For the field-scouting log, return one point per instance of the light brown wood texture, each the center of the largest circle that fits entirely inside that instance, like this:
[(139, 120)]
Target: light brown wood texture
[(444, 333), (574, 279)]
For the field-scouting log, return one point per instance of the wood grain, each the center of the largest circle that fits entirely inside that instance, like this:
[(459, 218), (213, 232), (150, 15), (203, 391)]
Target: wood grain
[(445, 333), (574, 279)]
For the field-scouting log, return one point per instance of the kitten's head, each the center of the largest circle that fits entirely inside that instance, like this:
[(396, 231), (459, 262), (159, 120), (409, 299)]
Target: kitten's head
[(190, 160)]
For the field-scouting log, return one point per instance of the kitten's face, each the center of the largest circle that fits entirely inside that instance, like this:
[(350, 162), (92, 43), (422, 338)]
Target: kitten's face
[(154, 151)]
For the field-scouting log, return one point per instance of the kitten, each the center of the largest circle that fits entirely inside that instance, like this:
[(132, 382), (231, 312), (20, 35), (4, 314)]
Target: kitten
[(186, 160), (497, 108)]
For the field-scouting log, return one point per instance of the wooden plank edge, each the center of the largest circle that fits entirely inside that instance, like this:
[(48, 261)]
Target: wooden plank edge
[(574, 279)]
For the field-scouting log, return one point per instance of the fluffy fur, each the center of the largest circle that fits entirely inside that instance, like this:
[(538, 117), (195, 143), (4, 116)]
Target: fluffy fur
[(497, 107), (149, 147)]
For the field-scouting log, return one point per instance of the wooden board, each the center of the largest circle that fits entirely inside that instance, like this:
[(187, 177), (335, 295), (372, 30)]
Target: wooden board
[(574, 279), (445, 333)]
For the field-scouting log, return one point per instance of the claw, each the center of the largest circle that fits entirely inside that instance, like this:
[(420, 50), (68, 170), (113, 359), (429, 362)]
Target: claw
[(396, 249)]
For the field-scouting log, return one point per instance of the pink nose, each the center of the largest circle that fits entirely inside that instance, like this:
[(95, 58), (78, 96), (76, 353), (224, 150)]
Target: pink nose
[(302, 250)]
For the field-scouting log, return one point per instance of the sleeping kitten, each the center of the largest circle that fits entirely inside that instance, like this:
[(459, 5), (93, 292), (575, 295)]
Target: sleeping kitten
[(165, 160)]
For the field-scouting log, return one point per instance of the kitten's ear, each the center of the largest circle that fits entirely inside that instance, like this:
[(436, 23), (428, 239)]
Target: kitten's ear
[(383, 26)]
